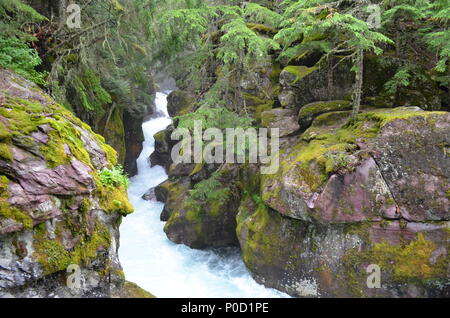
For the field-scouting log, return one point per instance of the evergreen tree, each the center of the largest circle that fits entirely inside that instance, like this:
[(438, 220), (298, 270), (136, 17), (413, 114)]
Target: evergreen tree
[(16, 53), (334, 29)]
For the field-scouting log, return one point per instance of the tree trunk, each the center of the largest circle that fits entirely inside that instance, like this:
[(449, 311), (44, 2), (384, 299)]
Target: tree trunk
[(357, 92), (111, 110), (330, 78)]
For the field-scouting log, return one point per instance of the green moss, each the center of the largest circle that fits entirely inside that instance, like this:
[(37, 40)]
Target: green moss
[(317, 108), (267, 118), (260, 109), (411, 261), (299, 71), (5, 152), (390, 201), (4, 131), (253, 100), (93, 81), (25, 116), (9, 212), (385, 116), (54, 257), (258, 105), (160, 136), (404, 263), (352, 277), (261, 242), (198, 167), (360, 229), (114, 199), (111, 154), (131, 290), (276, 71), (63, 134), (115, 132), (330, 119), (85, 205)]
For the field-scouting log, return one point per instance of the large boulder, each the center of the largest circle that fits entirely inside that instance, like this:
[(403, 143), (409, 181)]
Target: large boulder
[(163, 145), (375, 164), (172, 192), (54, 209), (302, 85), (373, 190), (179, 103), (204, 216), (308, 259), (283, 119)]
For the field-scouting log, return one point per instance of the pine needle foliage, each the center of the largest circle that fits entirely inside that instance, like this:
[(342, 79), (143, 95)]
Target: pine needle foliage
[(16, 20)]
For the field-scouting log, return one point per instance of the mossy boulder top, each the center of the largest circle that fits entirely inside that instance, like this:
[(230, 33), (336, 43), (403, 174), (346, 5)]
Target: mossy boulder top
[(54, 210), (387, 163)]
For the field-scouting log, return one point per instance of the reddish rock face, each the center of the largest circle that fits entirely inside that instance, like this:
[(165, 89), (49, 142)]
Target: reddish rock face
[(387, 204), (413, 158), (397, 233), (402, 172), (53, 209), (357, 196)]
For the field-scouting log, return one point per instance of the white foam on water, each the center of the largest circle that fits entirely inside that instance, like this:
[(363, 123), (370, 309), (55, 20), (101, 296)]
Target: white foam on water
[(162, 267)]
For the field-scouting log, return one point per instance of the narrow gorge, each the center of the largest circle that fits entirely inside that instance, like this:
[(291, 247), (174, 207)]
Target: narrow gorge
[(224, 149), (167, 269)]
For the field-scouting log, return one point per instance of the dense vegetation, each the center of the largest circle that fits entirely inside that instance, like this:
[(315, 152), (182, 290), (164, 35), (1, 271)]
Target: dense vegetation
[(103, 65), (249, 64)]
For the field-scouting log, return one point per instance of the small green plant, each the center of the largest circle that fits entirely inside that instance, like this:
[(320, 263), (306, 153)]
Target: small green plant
[(114, 177), (210, 190), (220, 118)]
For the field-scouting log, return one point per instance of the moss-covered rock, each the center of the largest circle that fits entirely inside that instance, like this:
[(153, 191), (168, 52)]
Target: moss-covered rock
[(308, 112), (347, 196), (179, 103), (338, 174), (131, 290), (54, 210), (302, 85), (204, 216), (307, 259), (171, 193), (163, 145), (283, 119)]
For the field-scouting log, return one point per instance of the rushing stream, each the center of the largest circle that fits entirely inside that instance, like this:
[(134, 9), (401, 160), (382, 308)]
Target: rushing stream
[(162, 267)]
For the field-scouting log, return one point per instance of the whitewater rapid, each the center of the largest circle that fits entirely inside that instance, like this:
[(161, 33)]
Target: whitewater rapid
[(163, 268)]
